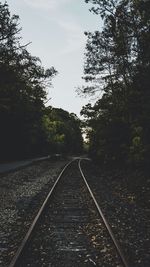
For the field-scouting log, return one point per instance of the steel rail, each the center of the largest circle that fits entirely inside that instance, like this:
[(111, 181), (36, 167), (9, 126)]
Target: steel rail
[(118, 248), (30, 231)]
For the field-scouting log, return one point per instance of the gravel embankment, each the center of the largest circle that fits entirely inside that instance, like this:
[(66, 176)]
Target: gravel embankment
[(124, 199), (21, 194)]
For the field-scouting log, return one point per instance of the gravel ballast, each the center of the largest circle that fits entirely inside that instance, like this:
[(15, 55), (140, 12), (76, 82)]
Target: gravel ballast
[(22, 192), (123, 196)]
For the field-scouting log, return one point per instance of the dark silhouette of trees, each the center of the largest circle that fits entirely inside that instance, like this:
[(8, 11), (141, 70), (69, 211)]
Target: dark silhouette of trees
[(23, 83), (28, 128), (118, 64)]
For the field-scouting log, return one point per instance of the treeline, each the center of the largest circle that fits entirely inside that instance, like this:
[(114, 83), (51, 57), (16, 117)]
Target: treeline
[(27, 127), (63, 131), (118, 66)]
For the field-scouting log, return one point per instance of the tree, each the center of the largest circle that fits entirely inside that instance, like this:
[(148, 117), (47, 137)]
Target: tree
[(118, 63), (63, 131), (23, 84)]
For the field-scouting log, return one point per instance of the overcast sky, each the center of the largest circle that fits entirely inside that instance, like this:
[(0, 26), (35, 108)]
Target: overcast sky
[(56, 29)]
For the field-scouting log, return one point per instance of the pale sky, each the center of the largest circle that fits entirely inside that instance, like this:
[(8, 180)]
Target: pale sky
[(56, 29)]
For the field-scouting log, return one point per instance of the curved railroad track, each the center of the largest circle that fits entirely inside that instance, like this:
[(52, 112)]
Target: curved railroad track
[(70, 229)]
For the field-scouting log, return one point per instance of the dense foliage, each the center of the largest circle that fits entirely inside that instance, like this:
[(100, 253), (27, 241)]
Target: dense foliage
[(118, 64), (23, 91), (63, 131)]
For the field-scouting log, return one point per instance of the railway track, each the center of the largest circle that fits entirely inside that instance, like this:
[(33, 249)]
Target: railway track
[(70, 229)]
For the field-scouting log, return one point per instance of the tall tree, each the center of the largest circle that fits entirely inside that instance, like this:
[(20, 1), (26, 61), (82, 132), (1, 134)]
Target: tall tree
[(23, 84), (118, 62)]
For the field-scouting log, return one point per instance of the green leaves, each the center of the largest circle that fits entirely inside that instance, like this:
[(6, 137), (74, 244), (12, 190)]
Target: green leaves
[(117, 62), (62, 130)]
